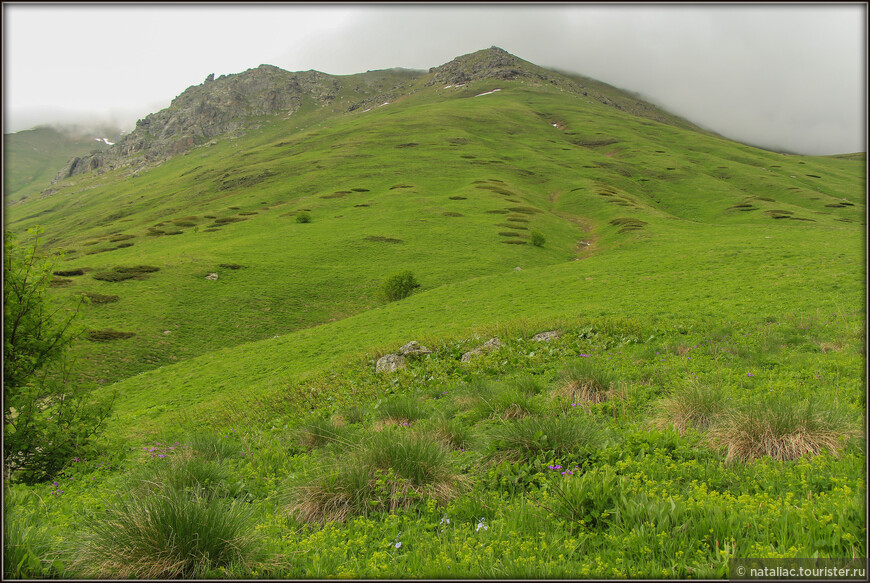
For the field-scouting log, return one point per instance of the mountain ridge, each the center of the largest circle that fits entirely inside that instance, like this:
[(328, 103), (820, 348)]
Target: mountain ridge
[(226, 105)]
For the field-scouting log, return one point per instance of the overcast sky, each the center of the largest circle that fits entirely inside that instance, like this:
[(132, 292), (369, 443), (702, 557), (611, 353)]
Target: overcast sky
[(778, 76)]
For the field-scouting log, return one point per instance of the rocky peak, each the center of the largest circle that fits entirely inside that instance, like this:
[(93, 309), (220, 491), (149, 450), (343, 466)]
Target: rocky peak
[(491, 63), (202, 112)]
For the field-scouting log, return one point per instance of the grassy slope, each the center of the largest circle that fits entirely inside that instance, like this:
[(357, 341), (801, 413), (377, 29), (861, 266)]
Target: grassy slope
[(34, 157), (593, 169)]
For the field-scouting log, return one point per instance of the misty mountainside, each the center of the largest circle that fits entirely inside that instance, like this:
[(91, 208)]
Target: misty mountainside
[(273, 204), (232, 103), (33, 157)]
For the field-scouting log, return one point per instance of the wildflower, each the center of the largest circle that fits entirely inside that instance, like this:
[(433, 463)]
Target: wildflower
[(481, 525), (444, 520), (749, 374)]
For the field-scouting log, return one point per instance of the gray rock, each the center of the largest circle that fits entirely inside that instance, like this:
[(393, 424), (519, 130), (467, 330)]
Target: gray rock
[(547, 336), (413, 348), (212, 276), (518, 268), (390, 363), (488, 346)]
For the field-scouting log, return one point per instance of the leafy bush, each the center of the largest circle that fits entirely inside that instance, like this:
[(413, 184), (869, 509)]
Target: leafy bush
[(48, 418), (303, 217), (538, 238), (400, 286)]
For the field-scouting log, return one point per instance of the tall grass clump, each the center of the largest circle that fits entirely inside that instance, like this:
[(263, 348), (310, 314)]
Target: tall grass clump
[(392, 469), (215, 446), (167, 534), (586, 381), (400, 410), (783, 429), (696, 405), (523, 440), (26, 543), (320, 431), (510, 402)]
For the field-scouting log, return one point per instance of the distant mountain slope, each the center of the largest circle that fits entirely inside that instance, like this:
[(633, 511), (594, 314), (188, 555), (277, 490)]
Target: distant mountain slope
[(232, 103), (33, 157), (399, 172)]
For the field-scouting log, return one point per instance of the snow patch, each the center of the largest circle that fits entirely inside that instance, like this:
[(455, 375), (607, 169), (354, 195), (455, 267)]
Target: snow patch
[(488, 92), (104, 140)]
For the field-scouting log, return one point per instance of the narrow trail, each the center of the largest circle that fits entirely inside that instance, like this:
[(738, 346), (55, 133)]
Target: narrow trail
[(584, 248)]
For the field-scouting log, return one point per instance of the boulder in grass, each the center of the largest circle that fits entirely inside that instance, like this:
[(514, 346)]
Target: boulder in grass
[(390, 363), (547, 336), (212, 276), (413, 348), (488, 346)]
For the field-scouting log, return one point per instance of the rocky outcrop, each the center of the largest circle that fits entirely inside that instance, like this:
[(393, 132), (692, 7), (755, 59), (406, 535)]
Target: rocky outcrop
[(547, 336), (390, 363), (414, 348), (488, 346), (494, 63), (213, 108)]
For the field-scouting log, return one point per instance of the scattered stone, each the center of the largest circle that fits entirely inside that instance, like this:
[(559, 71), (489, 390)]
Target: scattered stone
[(212, 276), (413, 348), (518, 268), (390, 363), (547, 336), (167, 331), (488, 346)]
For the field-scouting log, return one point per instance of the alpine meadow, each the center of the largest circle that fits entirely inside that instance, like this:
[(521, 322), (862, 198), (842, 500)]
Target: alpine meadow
[(488, 320)]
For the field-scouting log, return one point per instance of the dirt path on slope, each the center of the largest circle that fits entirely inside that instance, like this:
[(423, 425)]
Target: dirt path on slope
[(585, 247)]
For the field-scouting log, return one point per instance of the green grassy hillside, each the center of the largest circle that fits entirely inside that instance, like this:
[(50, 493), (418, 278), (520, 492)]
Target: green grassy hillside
[(33, 158), (704, 285)]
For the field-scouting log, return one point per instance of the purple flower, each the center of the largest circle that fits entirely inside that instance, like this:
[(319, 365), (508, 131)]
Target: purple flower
[(749, 374)]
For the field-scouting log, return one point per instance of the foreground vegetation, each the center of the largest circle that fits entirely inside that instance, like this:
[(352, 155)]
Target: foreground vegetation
[(618, 449)]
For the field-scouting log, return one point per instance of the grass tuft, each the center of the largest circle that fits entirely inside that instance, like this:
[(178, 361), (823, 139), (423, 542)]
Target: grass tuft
[(784, 430)]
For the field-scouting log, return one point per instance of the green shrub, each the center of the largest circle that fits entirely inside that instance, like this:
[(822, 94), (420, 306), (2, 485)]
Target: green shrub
[(399, 286), (303, 217), (538, 238)]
